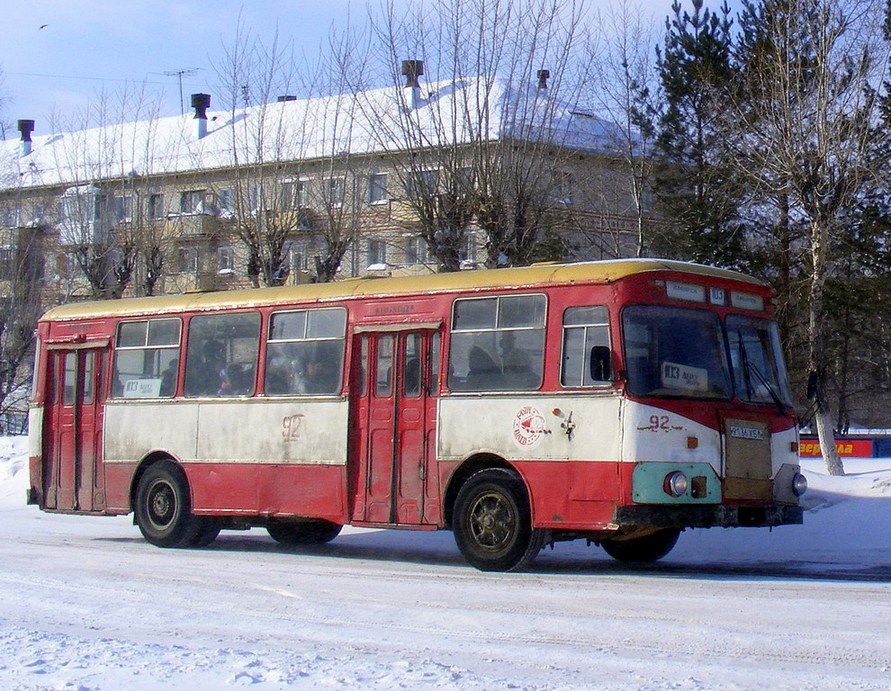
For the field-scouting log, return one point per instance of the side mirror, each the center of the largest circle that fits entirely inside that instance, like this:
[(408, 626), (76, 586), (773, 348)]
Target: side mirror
[(601, 363)]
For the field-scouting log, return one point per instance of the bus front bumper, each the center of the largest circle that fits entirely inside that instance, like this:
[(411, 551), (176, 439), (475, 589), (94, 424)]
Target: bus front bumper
[(708, 516)]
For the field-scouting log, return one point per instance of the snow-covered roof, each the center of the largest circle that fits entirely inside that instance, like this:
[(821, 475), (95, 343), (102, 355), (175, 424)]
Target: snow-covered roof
[(302, 129)]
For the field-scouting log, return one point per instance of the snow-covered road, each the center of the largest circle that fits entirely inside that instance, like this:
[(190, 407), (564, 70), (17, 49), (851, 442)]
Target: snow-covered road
[(86, 604)]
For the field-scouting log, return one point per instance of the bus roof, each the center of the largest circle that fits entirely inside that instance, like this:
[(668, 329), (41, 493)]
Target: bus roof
[(605, 271)]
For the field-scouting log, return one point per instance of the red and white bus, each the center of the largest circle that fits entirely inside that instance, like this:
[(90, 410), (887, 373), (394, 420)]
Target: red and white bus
[(618, 401)]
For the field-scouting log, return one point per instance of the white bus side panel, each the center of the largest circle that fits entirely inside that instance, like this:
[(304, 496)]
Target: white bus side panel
[(654, 434), (541, 428), (239, 431)]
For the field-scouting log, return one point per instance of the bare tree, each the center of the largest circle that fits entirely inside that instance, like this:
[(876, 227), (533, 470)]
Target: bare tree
[(627, 94), (102, 226), (488, 141)]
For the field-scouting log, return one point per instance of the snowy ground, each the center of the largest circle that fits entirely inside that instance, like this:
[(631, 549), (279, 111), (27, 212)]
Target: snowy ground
[(85, 603)]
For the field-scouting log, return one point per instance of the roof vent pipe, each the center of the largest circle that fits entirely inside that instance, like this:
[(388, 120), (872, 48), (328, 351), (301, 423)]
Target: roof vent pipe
[(543, 76), (26, 127), (201, 102), (411, 70)]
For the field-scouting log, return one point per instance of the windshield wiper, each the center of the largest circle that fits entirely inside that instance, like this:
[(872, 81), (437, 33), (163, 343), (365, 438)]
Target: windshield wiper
[(749, 367)]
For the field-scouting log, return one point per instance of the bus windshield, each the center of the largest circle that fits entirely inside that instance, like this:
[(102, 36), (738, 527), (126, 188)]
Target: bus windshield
[(671, 351)]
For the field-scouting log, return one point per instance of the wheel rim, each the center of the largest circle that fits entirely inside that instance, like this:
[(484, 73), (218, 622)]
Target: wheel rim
[(161, 504), (493, 521)]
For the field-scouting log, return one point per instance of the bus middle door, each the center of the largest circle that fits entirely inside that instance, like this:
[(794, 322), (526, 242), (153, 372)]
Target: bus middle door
[(396, 418)]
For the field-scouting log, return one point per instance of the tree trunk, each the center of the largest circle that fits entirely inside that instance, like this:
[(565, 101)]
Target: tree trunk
[(817, 355)]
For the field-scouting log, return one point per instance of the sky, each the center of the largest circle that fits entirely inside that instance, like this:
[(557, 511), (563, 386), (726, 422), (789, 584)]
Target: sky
[(58, 55)]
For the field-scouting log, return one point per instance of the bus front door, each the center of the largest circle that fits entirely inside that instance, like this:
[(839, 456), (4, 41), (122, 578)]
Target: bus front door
[(394, 414), (72, 475)]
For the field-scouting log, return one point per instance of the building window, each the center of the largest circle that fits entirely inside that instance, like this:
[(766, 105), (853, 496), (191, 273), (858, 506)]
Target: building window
[(416, 251), (563, 188), (7, 264), (156, 206), (377, 252), (187, 260), (421, 183), (295, 194), (377, 188), (225, 202), (334, 191), (122, 208), (225, 259), (9, 217), (191, 202), (67, 265)]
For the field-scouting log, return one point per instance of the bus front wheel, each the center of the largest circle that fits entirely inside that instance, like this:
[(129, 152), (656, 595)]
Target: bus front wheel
[(648, 548), (164, 508), (492, 522)]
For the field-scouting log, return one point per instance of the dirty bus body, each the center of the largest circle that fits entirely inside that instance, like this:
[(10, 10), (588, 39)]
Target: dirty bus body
[(619, 402)]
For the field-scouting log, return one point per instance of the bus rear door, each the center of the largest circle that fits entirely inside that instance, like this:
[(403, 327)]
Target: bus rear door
[(394, 416), (72, 472)]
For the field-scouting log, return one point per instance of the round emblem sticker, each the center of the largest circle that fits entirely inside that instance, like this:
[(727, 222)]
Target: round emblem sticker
[(529, 425)]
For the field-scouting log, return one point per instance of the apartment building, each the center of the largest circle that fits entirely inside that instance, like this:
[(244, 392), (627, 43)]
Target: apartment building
[(308, 189)]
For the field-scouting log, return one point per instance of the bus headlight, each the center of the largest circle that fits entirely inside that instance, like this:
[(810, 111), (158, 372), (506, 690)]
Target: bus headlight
[(799, 484), (675, 484)]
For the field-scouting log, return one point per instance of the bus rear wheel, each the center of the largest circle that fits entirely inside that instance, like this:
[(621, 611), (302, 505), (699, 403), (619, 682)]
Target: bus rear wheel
[(163, 506), (296, 533), (646, 549), (493, 523)]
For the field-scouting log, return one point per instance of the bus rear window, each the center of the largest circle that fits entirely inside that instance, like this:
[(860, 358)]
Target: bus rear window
[(146, 358), (497, 343)]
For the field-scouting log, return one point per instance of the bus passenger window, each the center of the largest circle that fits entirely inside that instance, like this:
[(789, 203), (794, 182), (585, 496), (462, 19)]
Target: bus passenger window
[(383, 387), (146, 359), (585, 335), (411, 375), (304, 352), (222, 354), (497, 344)]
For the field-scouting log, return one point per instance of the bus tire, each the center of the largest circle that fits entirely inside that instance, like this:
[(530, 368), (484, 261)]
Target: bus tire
[(296, 533), (492, 522), (164, 507), (208, 530), (646, 549)]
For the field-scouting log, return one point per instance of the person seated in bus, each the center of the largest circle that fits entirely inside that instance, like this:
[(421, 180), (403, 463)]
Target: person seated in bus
[(312, 376), (168, 380), (483, 372), (516, 365), (210, 377), (279, 379), (238, 380)]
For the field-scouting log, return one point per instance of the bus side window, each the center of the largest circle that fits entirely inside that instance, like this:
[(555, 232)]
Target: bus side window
[(497, 343), (222, 354), (304, 352), (146, 359), (586, 344)]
